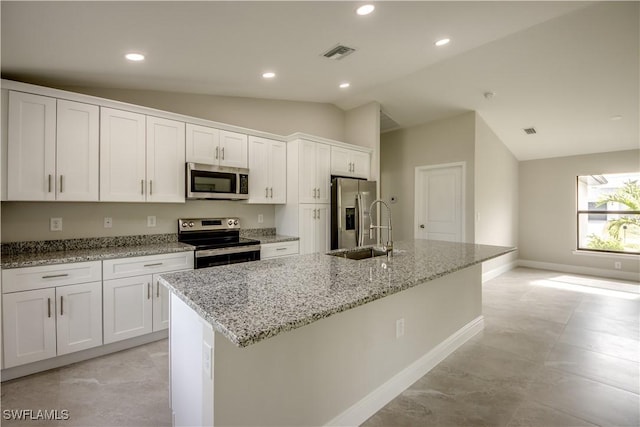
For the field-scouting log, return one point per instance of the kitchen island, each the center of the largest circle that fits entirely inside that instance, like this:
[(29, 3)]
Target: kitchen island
[(318, 339)]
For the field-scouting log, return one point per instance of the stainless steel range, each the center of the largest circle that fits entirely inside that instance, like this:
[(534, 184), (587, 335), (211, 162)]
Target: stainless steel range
[(217, 241)]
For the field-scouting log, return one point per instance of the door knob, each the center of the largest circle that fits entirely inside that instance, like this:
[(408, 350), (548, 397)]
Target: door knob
[(421, 225)]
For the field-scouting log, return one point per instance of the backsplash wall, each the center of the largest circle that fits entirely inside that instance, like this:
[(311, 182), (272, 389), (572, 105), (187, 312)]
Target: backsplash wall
[(28, 221)]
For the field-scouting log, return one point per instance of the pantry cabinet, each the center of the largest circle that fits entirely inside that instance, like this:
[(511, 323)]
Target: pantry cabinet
[(350, 163), (268, 166), (315, 223), (216, 147), (53, 149), (314, 173)]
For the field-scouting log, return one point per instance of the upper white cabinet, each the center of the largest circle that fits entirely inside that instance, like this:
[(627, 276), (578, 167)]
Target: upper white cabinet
[(141, 158), (314, 172), (346, 162), (216, 147), (52, 149), (268, 166), (165, 160), (122, 156)]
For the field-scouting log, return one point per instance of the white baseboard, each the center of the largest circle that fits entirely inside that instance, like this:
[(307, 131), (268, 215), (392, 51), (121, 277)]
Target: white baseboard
[(492, 274), (377, 399), (590, 271)]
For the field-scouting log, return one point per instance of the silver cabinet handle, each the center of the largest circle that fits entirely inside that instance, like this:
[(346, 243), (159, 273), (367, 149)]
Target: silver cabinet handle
[(222, 153), (142, 186), (61, 187), (150, 187), (266, 192), (48, 307), (158, 289), (281, 249), (61, 306), (318, 214), (421, 225), (148, 290), (51, 276), (271, 190), (49, 183), (314, 193), (217, 148), (155, 264), (314, 214), (318, 193)]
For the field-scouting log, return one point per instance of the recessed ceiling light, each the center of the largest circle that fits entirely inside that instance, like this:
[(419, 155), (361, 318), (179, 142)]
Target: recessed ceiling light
[(442, 42), (365, 9), (134, 57), (344, 85), (616, 117), (269, 75)]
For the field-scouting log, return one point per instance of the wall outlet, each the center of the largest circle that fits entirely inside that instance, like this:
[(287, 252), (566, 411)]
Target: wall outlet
[(260, 218), (108, 222), (55, 224), (617, 265), (399, 328), (151, 221)]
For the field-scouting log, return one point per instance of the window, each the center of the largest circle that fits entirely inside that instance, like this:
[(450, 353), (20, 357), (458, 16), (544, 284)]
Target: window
[(609, 213)]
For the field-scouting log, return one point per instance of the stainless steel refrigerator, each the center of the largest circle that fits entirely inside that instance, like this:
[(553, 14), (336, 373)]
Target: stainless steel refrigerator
[(350, 220)]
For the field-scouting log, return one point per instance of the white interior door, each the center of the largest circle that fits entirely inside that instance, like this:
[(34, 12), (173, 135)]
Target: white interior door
[(440, 202)]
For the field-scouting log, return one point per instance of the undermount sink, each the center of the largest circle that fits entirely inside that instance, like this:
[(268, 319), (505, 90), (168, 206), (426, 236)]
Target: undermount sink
[(358, 254)]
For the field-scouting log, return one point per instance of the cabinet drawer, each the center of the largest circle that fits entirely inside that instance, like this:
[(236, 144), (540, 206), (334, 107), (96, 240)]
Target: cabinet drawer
[(136, 266), (275, 250), (48, 276)]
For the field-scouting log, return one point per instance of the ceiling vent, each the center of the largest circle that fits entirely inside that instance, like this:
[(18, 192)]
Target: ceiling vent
[(530, 131), (387, 123), (338, 52)]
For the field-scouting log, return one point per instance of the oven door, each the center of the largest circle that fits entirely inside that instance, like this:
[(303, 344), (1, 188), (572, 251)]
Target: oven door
[(231, 255), (216, 182)]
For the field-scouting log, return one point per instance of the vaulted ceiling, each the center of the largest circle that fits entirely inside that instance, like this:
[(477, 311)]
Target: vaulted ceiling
[(569, 69)]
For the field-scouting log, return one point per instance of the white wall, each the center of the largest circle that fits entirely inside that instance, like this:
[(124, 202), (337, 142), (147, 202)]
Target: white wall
[(443, 141), (547, 231), (496, 194), (362, 127)]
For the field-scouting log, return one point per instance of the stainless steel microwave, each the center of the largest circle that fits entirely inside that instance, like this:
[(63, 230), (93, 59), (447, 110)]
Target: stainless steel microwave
[(217, 182)]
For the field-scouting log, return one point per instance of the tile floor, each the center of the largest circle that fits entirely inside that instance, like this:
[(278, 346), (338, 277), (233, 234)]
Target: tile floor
[(553, 353)]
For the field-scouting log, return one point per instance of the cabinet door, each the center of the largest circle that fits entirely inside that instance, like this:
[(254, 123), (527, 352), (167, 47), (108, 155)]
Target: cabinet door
[(160, 305), (307, 224), (165, 160), (340, 161), (202, 144), (31, 147), (259, 167), (323, 173), (307, 188), (77, 151), (29, 326), (127, 307), (278, 172), (233, 149), (79, 317), (322, 229), (361, 164), (122, 156)]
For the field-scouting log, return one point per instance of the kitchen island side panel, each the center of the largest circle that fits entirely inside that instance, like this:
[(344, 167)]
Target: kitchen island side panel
[(312, 374)]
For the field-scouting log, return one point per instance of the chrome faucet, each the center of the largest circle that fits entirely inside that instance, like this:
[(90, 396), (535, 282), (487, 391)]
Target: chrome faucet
[(388, 247)]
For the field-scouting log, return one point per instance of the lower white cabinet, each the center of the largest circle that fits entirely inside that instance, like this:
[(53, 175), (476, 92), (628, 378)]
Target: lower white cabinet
[(43, 323), (279, 249), (314, 228), (134, 303)]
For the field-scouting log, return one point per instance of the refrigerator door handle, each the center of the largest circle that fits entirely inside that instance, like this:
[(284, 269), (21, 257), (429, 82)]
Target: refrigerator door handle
[(360, 219), (339, 207)]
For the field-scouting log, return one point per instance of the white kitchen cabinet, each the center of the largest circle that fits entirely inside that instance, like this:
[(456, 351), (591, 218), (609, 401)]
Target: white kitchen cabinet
[(216, 147), (279, 249), (351, 163), (315, 223), (165, 177), (50, 311), (135, 303), (52, 149), (314, 171), (268, 166), (122, 156), (29, 326)]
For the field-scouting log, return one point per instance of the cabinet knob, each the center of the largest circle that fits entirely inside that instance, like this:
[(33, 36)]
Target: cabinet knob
[(421, 225)]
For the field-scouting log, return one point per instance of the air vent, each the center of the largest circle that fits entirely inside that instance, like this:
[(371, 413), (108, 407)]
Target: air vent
[(387, 123), (530, 131), (338, 52)]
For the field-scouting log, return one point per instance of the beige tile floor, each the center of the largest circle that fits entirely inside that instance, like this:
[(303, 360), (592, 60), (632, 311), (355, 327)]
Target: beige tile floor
[(553, 353)]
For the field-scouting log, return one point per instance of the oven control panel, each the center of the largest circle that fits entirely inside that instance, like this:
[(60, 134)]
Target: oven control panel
[(200, 224)]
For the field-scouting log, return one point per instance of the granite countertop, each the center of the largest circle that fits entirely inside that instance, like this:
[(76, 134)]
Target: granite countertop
[(253, 301), (272, 238), (93, 254)]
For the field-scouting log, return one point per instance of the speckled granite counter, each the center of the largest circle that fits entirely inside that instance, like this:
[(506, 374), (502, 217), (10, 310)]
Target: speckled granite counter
[(253, 301), (79, 255), (266, 235)]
